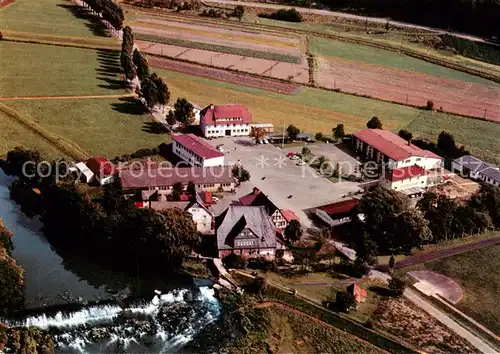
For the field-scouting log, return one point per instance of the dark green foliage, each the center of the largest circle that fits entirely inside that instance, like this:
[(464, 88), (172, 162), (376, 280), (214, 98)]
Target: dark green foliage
[(446, 144), (292, 131), (30, 340), (238, 12), (241, 173), (141, 63), (319, 136), (177, 191), (293, 231), (234, 261), (405, 134), (11, 277), (397, 286), (482, 51), (344, 301), (155, 91), (374, 123), (213, 13), (109, 10), (430, 105), (191, 190), (183, 111), (22, 164), (338, 132), (289, 15)]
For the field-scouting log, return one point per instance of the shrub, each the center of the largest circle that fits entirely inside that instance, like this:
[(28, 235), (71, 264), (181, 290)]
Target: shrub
[(257, 285), (319, 136), (242, 174), (374, 123), (290, 15), (306, 151), (344, 301), (430, 105), (405, 134), (234, 260), (397, 286)]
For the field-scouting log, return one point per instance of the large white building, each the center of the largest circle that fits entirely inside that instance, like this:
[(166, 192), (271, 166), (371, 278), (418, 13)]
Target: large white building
[(226, 120), (196, 152), (404, 166)]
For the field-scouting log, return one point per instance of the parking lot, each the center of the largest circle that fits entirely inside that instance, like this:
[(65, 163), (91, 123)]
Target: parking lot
[(279, 177)]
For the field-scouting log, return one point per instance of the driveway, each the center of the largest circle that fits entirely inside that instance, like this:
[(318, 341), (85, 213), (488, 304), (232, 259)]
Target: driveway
[(279, 177)]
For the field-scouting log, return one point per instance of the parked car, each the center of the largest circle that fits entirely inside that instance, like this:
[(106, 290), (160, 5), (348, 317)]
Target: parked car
[(290, 154), (301, 163), (215, 199), (261, 141), (295, 157), (266, 141)]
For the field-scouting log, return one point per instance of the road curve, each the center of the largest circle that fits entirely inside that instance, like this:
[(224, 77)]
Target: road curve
[(379, 20)]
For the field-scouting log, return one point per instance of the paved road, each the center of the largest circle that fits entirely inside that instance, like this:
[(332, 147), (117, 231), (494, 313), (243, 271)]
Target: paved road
[(439, 315), (346, 15)]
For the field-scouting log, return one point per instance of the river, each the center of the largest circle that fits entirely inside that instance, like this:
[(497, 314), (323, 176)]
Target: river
[(155, 324)]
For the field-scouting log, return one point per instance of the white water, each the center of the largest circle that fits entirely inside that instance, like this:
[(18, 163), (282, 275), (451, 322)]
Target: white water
[(78, 340)]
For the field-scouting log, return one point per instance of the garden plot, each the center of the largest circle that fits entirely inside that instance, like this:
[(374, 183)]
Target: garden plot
[(467, 98)]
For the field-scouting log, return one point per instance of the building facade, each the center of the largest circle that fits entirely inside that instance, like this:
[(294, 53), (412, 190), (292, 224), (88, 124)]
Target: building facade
[(476, 169), (162, 180), (226, 120), (403, 166), (195, 151), (247, 230)]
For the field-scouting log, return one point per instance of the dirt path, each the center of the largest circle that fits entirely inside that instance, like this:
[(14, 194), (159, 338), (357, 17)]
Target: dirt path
[(36, 98), (267, 304)]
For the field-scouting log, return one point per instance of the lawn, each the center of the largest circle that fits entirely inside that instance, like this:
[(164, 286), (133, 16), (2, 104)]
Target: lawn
[(478, 272), (57, 17), (45, 70), (102, 127), (13, 134), (315, 110), (371, 55)]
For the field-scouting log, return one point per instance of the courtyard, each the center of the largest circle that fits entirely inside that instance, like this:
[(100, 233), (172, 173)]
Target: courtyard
[(279, 177)]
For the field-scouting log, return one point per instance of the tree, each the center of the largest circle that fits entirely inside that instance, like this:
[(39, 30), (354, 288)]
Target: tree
[(258, 133), (397, 286), (141, 63), (410, 230), (238, 12), (241, 173), (344, 301), (23, 163), (430, 105), (234, 261), (392, 263), (292, 131), (184, 111), (5, 238), (405, 134), (149, 92), (170, 117), (338, 132), (163, 94), (374, 123), (128, 67), (176, 191), (319, 136), (446, 144), (305, 151), (191, 190), (293, 231), (487, 200)]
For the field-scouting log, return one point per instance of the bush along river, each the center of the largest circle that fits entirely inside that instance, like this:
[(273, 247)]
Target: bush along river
[(90, 309)]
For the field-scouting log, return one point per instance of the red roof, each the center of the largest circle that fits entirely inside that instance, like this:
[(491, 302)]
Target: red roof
[(248, 199), (101, 167), (399, 174), (206, 197), (289, 215), (224, 114), (392, 145), (197, 146), (357, 291), (342, 207)]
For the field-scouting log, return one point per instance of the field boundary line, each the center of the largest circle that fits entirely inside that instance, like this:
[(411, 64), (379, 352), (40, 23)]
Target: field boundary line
[(60, 42), (67, 147), (393, 48), (47, 98), (308, 85)]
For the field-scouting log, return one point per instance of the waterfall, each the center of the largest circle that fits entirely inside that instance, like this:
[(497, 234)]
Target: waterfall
[(162, 325)]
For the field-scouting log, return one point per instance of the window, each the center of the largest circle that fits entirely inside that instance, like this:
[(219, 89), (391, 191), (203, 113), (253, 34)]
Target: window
[(418, 159)]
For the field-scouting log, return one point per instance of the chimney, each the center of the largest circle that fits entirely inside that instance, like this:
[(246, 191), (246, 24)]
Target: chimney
[(212, 107)]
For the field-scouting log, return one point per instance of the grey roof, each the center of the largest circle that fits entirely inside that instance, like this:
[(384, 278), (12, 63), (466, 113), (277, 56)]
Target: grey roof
[(492, 173), (237, 218), (472, 163), (169, 205)]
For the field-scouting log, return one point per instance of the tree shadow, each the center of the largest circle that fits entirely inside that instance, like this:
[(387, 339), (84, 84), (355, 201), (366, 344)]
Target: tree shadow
[(93, 23), (129, 105), (112, 84), (379, 290), (154, 128)]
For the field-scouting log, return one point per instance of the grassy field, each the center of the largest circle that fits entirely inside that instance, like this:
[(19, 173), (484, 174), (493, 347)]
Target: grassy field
[(103, 127), (45, 70), (478, 272), (13, 134), (315, 110), (58, 17), (326, 47)]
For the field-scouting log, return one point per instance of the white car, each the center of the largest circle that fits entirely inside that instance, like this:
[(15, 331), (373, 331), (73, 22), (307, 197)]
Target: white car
[(215, 199), (261, 141), (266, 141), (295, 157), (301, 163)]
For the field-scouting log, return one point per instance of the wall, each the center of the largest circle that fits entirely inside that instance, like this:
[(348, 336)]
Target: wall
[(219, 130), (279, 220), (195, 160), (413, 182), (202, 218), (214, 161)]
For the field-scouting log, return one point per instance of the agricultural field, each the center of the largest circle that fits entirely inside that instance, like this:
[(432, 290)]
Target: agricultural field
[(315, 110), (54, 17), (103, 127), (478, 273), (467, 98), (45, 70)]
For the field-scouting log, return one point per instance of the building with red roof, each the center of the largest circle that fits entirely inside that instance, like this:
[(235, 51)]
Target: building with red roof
[(103, 169), (225, 120), (196, 151), (405, 167)]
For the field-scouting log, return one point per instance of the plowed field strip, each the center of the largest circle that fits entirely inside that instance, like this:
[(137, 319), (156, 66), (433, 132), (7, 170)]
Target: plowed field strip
[(222, 75), (67, 147)]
